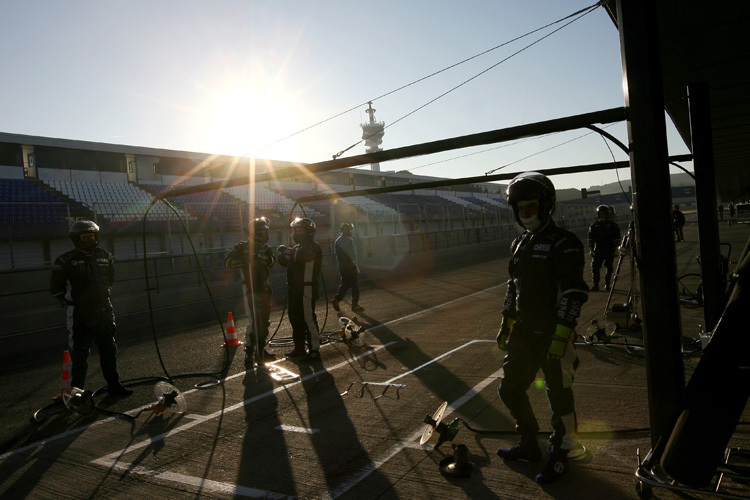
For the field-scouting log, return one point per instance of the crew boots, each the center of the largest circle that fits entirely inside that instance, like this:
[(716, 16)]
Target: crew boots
[(527, 449)]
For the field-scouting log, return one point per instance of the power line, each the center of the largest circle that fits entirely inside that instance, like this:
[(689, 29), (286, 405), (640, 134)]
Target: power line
[(588, 11), (585, 10)]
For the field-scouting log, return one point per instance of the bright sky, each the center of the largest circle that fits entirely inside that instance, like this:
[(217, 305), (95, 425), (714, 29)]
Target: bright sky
[(233, 76)]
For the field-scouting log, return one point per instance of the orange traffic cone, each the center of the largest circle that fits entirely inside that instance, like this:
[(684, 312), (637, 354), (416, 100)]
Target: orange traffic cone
[(232, 340), (65, 376)]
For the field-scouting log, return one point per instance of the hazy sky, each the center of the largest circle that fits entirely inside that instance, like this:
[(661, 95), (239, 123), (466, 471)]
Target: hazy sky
[(230, 77)]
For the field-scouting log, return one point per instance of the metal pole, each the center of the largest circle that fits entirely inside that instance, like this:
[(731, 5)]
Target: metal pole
[(594, 167), (705, 194), (10, 246), (641, 67)]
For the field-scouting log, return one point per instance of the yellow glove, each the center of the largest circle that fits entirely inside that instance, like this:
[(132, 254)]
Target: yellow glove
[(559, 342), (502, 335)]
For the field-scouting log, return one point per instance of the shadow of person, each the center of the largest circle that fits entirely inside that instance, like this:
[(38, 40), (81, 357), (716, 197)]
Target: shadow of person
[(263, 455), (35, 464), (439, 380), (335, 441)]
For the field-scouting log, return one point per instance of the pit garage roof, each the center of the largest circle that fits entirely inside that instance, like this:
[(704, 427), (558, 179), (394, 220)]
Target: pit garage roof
[(710, 42)]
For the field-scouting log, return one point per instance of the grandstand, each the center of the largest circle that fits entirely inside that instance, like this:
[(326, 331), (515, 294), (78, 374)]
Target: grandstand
[(48, 183), (114, 201)]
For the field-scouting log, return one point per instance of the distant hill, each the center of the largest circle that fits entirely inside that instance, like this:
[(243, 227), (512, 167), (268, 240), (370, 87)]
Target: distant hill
[(680, 179)]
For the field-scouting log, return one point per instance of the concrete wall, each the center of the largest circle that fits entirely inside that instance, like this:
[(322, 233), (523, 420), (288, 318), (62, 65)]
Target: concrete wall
[(10, 172)]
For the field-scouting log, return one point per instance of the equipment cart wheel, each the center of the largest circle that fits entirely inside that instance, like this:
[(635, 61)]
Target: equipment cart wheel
[(690, 289), (643, 490)]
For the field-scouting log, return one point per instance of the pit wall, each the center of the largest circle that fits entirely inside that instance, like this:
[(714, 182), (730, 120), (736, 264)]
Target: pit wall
[(178, 292)]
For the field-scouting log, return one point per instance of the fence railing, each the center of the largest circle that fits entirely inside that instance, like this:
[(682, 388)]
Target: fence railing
[(30, 241)]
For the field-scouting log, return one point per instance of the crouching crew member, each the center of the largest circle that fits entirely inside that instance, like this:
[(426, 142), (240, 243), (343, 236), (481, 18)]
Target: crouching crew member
[(545, 293), (303, 263), (82, 280), (253, 257)]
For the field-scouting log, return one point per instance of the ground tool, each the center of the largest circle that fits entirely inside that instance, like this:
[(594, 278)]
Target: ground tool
[(168, 398), (82, 401), (434, 423), (79, 400), (350, 330), (458, 465)]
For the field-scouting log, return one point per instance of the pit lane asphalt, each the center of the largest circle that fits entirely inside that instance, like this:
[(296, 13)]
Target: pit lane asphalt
[(414, 323)]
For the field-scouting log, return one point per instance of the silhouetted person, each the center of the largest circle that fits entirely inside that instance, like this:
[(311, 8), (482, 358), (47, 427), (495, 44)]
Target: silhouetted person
[(545, 293), (303, 263), (678, 222), (346, 256), (82, 280), (604, 239)]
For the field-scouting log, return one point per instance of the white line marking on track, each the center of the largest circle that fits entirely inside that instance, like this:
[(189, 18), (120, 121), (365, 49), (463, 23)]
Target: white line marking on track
[(78, 430), (236, 406), (435, 360), (198, 482), (112, 460), (412, 441), (202, 418), (294, 428)]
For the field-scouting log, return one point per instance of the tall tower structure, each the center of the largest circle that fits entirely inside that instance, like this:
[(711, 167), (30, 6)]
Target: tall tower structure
[(373, 133)]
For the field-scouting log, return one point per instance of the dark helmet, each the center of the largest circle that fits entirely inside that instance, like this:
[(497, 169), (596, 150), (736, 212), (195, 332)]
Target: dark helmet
[(81, 227), (603, 209), (307, 225), (346, 227), (258, 229), (532, 186)]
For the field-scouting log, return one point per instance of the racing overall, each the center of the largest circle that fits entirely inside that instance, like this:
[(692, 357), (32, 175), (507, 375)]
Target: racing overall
[(82, 282), (546, 288), (256, 289), (303, 279), (604, 238), (346, 255)]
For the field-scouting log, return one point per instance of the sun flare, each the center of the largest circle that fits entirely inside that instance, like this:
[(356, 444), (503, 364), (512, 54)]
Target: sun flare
[(241, 122)]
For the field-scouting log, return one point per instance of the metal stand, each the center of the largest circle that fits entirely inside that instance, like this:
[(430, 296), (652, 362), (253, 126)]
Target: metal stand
[(385, 386), (650, 475), (624, 315)]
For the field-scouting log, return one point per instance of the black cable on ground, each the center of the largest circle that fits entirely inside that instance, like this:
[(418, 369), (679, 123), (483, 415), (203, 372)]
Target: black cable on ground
[(169, 377), (591, 434)]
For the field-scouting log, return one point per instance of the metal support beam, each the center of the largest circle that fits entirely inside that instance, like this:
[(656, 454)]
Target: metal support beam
[(642, 83), (494, 136), (549, 172), (705, 194)]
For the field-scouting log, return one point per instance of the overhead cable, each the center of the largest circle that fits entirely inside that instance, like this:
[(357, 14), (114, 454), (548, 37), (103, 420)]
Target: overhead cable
[(585, 11), (588, 10)]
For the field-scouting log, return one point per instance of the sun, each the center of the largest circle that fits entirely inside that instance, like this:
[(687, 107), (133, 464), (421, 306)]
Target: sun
[(243, 121)]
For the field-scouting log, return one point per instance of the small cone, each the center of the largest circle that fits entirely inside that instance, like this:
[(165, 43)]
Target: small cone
[(232, 340), (730, 222), (65, 377)]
